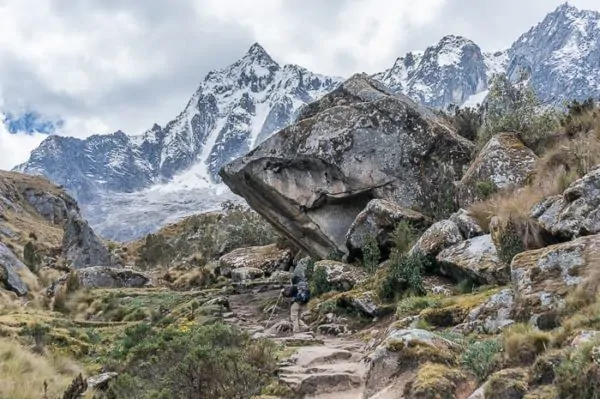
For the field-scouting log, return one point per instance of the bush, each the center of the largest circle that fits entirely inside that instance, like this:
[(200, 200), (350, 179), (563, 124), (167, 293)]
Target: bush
[(215, 361), (581, 117), (578, 377), (371, 254), (414, 305), (522, 344), (404, 275), (31, 257), (516, 108), (466, 121), (510, 242), (404, 236), (485, 189), (481, 357), (319, 282)]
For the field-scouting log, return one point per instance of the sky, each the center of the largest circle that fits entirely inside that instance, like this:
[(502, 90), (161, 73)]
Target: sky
[(101, 66)]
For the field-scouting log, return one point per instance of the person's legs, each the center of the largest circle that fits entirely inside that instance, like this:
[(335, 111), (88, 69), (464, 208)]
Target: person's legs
[(295, 317)]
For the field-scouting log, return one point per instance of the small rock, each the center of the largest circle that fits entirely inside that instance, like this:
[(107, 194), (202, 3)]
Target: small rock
[(333, 329), (246, 273), (283, 327), (282, 277), (101, 382), (439, 236), (493, 316), (475, 259), (468, 227)]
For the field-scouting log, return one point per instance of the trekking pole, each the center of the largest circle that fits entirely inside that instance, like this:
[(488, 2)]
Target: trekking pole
[(274, 308)]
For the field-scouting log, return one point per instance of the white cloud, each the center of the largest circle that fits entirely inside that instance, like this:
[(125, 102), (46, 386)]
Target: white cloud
[(15, 148), (107, 65)]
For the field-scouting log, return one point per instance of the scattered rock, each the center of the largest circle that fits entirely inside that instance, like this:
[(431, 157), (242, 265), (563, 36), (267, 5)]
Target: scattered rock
[(333, 329), (81, 246), (469, 228), (576, 212), (246, 273), (379, 219), (504, 162), (413, 346), (10, 267), (282, 277), (268, 259), (284, 327), (110, 277), (365, 302), (102, 381), (475, 259), (585, 337), (357, 143), (341, 276), (543, 277), (439, 236), (492, 316)]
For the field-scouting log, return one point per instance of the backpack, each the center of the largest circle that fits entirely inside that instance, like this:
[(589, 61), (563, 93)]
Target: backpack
[(302, 292)]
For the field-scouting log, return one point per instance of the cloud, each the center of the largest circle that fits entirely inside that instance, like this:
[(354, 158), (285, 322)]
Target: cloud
[(101, 66), (15, 148)]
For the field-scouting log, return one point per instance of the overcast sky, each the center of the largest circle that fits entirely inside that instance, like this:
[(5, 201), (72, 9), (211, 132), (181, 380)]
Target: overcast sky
[(104, 65)]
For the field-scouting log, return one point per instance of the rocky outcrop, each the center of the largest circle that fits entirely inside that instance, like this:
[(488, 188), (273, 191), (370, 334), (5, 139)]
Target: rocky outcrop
[(439, 236), (268, 258), (110, 277), (246, 273), (504, 162), (493, 316), (403, 349), (81, 246), (357, 143), (468, 226), (341, 276), (378, 220), (576, 212), (475, 259), (544, 277), (10, 267), (54, 208)]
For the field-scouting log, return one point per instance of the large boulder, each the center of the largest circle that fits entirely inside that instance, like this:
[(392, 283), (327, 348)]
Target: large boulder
[(475, 259), (81, 246), (341, 276), (357, 143), (491, 317), (438, 237), (504, 162), (404, 350), (468, 226), (379, 219), (576, 212), (268, 258), (544, 277), (111, 277), (10, 269), (53, 207)]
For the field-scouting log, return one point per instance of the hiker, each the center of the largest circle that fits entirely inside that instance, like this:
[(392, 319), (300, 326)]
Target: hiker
[(300, 295)]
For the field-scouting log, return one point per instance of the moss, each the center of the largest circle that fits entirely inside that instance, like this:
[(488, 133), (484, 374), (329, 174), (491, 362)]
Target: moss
[(417, 352), (543, 392), (544, 368), (435, 381), (445, 317), (279, 390), (413, 305), (509, 383)]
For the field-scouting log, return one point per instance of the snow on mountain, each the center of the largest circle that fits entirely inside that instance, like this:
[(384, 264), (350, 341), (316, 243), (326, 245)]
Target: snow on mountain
[(561, 55), (447, 73)]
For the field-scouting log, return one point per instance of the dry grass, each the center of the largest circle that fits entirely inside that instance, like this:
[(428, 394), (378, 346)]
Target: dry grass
[(522, 344), (22, 373)]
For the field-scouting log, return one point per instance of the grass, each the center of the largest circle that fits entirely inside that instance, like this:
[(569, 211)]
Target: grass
[(22, 373), (522, 344)]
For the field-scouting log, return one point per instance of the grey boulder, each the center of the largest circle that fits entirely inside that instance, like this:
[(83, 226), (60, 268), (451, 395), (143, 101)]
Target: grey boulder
[(10, 267), (81, 246)]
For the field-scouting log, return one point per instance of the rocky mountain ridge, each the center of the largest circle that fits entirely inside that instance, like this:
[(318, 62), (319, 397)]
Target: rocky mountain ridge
[(236, 108)]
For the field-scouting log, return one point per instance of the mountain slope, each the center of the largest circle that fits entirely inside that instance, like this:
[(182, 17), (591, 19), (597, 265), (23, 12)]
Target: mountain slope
[(232, 110), (561, 54)]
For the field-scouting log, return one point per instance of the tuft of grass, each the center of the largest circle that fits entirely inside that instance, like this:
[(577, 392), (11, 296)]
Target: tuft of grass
[(482, 357), (522, 344), (413, 305)]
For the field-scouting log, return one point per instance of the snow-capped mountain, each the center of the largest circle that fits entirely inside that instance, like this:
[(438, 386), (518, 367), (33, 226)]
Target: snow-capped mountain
[(448, 73), (130, 185), (233, 110), (561, 55)]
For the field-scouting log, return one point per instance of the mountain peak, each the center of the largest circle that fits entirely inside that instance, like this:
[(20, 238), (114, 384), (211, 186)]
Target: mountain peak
[(256, 52), (454, 41)]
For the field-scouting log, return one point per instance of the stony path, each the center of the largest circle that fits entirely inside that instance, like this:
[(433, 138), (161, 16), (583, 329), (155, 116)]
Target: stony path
[(322, 367)]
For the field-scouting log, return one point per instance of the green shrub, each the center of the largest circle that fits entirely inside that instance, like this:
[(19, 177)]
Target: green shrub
[(404, 236), (404, 275), (511, 243), (485, 189), (371, 254), (335, 255), (516, 108), (481, 357), (319, 283), (413, 305), (578, 377), (30, 257), (215, 361), (466, 121)]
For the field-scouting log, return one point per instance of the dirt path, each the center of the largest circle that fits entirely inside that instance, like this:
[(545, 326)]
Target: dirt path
[(322, 367)]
